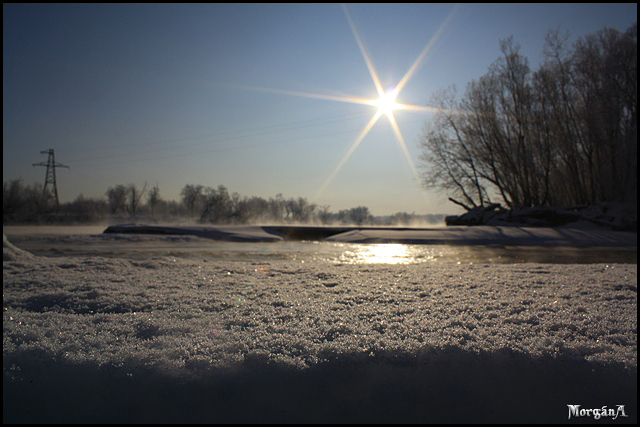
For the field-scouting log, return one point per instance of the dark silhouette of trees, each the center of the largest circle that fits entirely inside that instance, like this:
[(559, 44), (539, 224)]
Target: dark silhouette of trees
[(359, 215), (277, 208), (221, 207), (23, 203), (192, 196), (565, 134), (218, 206), (153, 198), (117, 199), (253, 210), (12, 199), (85, 210), (299, 210), (125, 199), (22, 199), (324, 214), (135, 195)]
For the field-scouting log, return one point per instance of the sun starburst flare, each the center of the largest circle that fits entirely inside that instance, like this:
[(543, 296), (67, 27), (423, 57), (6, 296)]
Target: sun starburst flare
[(385, 103)]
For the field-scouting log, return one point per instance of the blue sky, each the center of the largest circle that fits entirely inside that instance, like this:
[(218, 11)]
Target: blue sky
[(202, 94)]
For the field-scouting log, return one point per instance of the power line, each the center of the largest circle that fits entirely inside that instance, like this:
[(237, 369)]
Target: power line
[(50, 176)]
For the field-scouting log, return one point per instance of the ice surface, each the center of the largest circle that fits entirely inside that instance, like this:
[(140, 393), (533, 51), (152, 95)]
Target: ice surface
[(491, 235), (228, 233), (455, 235), (89, 339)]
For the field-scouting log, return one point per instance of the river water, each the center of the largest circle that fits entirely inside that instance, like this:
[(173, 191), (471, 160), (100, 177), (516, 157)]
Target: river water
[(89, 241)]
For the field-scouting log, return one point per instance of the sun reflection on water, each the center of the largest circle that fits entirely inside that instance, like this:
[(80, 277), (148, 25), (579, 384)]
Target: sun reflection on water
[(385, 253)]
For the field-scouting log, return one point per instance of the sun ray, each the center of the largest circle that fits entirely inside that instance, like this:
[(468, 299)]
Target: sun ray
[(367, 60), (349, 99), (426, 109), (405, 151), (344, 159), (426, 50), (403, 145)]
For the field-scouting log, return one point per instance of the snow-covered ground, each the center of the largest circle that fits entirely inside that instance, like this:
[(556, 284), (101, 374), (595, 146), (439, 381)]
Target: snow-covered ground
[(93, 339)]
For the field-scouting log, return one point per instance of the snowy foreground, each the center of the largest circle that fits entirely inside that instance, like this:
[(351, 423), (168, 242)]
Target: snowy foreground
[(92, 339)]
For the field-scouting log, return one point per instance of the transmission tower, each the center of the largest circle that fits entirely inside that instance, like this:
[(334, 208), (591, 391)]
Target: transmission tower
[(50, 177)]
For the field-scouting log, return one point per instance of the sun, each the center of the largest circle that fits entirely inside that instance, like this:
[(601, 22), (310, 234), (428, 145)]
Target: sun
[(387, 103)]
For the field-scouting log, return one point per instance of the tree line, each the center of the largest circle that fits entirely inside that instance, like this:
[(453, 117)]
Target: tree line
[(563, 135), (28, 203)]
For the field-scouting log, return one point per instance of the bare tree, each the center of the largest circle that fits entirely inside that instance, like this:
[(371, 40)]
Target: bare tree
[(324, 214), (606, 79), (217, 205), (25, 199), (153, 198), (300, 210), (135, 195), (360, 215), (117, 198), (566, 134), (450, 163), (191, 197), (277, 208)]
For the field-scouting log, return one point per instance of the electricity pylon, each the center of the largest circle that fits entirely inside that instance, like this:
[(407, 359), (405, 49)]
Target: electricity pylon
[(50, 177)]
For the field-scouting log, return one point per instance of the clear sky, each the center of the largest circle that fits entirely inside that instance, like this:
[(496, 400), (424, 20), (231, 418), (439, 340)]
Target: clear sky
[(213, 94)]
